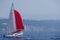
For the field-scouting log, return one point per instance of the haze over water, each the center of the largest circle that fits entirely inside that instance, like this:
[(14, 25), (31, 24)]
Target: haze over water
[(32, 9)]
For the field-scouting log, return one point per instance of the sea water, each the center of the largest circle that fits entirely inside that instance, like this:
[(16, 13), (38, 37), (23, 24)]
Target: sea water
[(34, 30)]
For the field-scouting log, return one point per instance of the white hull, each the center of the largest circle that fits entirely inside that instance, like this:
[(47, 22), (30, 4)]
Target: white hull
[(15, 35)]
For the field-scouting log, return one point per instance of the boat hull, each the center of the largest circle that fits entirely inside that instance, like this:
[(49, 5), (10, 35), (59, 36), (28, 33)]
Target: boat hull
[(14, 35)]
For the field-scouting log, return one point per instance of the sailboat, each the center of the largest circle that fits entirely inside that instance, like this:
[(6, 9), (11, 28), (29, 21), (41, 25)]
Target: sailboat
[(16, 26)]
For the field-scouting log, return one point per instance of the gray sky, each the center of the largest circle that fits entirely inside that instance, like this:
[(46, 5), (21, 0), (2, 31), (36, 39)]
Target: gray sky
[(32, 9)]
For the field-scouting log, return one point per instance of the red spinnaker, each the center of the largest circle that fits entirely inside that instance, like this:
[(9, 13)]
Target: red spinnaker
[(18, 20)]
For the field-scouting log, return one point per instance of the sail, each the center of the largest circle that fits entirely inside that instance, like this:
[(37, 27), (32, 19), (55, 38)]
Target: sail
[(18, 20), (12, 25), (15, 21)]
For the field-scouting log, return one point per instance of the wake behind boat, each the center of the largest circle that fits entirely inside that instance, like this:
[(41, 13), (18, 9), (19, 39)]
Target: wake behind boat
[(15, 24)]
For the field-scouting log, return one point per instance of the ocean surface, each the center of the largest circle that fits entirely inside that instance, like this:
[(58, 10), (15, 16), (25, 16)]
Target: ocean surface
[(34, 30)]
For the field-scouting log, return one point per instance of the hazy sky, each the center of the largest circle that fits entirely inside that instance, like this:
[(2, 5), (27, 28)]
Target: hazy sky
[(32, 9)]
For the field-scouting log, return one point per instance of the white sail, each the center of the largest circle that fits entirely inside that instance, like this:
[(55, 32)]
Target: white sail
[(12, 25)]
